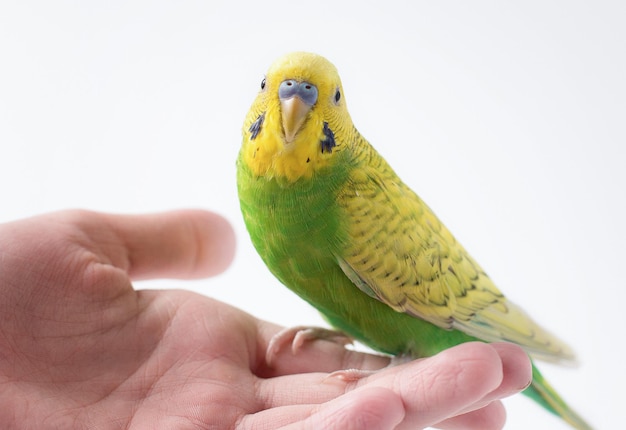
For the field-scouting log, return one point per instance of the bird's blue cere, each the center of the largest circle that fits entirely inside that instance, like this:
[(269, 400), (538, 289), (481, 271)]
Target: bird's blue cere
[(303, 90)]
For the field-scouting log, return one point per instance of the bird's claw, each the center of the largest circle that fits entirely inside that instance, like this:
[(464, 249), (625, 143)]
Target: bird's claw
[(350, 375), (300, 335), (353, 375)]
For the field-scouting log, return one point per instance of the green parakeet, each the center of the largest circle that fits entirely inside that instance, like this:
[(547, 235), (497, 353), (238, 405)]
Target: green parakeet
[(335, 224)]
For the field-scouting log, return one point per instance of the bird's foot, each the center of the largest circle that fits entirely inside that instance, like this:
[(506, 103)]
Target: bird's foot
[(298, 336), (353, 375)]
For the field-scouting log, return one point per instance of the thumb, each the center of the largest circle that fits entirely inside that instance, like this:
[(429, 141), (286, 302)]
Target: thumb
[(182, 244)]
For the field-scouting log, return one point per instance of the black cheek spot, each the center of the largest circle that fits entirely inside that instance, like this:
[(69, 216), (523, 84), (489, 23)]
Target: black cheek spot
[(329, 140), (255, 128)]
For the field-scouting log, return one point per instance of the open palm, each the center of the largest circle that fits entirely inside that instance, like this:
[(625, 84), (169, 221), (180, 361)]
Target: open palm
[(80, 348)]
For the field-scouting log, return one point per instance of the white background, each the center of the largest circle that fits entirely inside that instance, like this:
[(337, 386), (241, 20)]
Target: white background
[(509, 120)]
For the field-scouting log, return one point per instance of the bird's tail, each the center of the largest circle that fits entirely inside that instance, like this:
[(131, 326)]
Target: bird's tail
[(543, 393)]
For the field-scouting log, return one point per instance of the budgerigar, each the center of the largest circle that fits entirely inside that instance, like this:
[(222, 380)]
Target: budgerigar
[(334, 223)]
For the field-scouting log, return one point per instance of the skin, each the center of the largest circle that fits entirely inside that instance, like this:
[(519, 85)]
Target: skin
[(80, 348)]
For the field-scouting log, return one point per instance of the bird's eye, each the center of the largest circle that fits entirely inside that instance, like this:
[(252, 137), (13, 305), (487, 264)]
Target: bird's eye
[(263, 84), (337, 96)]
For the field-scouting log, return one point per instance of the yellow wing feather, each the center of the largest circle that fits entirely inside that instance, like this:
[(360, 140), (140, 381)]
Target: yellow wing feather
[(400, 253)]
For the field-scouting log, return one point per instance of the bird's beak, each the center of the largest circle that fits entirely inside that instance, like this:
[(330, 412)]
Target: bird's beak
[(294, 112)]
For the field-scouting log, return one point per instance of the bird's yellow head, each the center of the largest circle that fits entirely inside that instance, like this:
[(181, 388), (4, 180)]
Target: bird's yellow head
[(298, 121)]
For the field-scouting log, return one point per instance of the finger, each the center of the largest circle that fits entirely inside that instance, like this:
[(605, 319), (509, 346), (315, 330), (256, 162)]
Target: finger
[(516, 368), (180, 244), (322, 356), (439, 387), (516, 374), (450, 382), (490, 417), (372, 408), (431, 390)]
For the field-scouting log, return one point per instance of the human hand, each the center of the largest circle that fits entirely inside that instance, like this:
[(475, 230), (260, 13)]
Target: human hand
[(79, 348)]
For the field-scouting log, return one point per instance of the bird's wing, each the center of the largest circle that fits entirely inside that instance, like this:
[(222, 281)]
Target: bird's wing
[(398, 252)]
